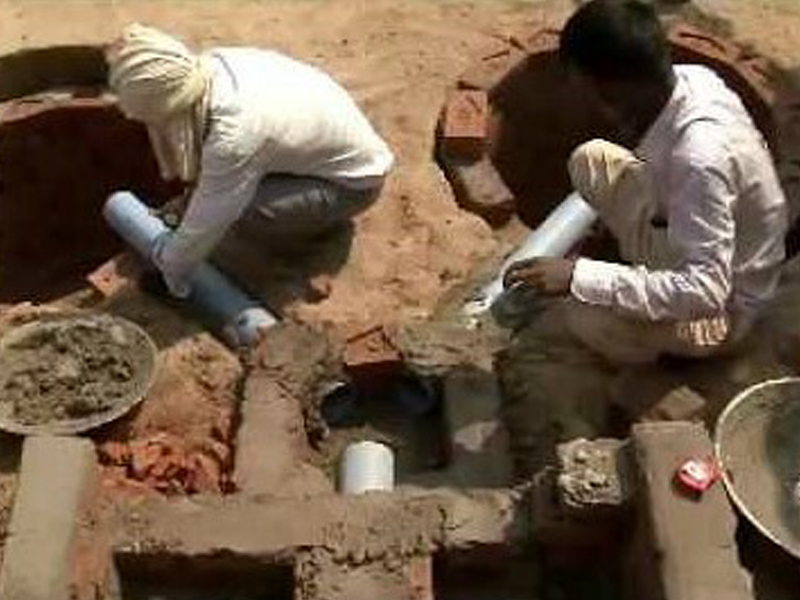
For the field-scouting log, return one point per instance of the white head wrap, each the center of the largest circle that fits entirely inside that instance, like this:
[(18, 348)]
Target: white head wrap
[(160, 82)]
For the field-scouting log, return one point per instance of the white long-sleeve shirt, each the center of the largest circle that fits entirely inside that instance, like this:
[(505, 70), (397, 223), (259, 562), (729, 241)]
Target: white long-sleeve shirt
[(726, 214), (268, 114)]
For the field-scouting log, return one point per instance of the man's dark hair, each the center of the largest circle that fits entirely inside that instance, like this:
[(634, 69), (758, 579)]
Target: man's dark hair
[(617, 40)]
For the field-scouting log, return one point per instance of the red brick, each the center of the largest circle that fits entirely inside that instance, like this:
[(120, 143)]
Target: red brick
[(372, 351), (114, 274), (420, 578), (464, 124)]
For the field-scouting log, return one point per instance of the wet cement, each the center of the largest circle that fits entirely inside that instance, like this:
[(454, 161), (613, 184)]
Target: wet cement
[(70, 369)]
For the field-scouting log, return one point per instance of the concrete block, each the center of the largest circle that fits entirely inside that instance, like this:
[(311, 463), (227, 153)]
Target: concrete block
[(56, 476), (464, 124), (479, 443), (353, 528), (684, 546), (593, 477), (480, 189)]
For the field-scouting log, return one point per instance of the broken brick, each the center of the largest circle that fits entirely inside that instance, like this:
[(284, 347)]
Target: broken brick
[(114, 274), (371, 352), (464, 124), (420, 578)]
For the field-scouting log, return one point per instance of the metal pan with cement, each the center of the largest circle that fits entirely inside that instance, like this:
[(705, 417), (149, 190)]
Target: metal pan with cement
[(67, 374), (757, 442)]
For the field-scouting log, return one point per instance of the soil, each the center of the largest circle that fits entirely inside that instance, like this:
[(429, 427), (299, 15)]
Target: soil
[(71, 369)]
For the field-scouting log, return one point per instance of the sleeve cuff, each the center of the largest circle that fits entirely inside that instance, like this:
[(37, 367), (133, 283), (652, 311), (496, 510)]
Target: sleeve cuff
[(593, 281), (177, 282)]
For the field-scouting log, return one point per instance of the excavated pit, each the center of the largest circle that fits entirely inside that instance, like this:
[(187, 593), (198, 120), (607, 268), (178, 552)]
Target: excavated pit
[(64, 147), (394, 408), (537, 117), (208, 578)]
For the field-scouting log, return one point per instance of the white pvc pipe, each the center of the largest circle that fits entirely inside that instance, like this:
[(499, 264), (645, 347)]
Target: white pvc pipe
[(240, 316), (366, 467), (555, 236)]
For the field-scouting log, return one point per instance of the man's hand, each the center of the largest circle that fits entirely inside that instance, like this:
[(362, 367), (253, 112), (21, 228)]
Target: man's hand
[(549, 276), (171, 212)]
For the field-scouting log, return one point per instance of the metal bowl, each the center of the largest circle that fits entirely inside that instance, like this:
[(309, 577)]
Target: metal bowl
[(143, 354), (757, 443)]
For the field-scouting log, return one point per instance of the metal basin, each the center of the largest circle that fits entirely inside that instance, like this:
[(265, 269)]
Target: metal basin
[(757, 443), (26, 359)]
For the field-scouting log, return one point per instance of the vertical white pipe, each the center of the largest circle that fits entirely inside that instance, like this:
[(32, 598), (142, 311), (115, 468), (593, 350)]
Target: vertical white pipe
[(366, 467), (241, 317)]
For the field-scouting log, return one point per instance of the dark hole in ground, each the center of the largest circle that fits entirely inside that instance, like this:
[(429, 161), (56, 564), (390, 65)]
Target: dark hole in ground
[(487, 574), (492, 574), (205, 578), (542, 118), (62, 154), (776, 574), (394, 407)]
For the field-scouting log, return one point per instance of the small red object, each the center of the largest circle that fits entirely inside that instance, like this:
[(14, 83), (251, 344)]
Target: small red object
[(698, 474)]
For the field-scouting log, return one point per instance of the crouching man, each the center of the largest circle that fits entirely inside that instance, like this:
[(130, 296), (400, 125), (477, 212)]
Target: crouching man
[(697, 211), (262, 139)]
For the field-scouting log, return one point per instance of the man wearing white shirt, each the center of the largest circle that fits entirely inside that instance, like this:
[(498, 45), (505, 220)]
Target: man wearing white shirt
[(261, 139), (694, 203)]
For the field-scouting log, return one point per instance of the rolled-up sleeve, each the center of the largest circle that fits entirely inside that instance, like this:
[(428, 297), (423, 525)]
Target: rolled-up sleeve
[(226, 185), (701, 231)]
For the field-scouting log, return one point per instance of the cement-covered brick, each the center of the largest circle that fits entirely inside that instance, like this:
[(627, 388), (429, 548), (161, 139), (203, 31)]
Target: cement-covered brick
[(478, 439), (271, 443), (593, 477), (684, 547), (680, 404), (464, 124), (56, 476)]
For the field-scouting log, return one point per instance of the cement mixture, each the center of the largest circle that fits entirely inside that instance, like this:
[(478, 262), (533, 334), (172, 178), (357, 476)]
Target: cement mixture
[(72, 368)]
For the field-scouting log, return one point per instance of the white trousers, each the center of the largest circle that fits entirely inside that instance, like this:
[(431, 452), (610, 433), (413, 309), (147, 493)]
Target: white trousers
[(619, 187)]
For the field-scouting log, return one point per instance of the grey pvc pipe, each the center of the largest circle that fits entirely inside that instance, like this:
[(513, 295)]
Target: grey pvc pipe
[(555, 236), (240, 316)]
